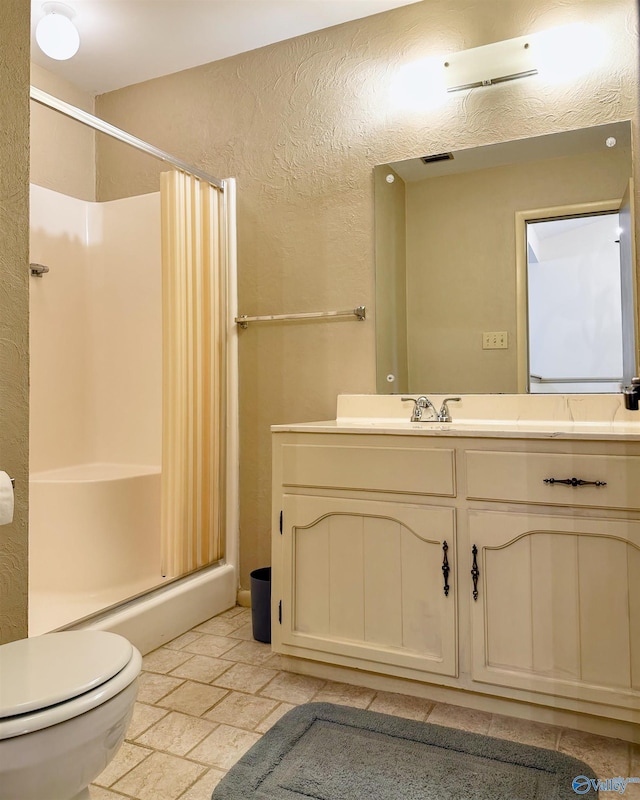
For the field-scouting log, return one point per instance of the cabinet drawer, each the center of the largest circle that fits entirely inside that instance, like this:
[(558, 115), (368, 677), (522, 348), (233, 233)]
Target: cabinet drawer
[(415, 470), (520, 478)]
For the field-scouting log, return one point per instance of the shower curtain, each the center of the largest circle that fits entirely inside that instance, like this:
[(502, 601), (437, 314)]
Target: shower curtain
[(194, 390)]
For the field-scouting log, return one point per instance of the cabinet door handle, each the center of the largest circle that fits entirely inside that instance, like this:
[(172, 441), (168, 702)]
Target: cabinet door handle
[(574, 482), (475, 572), (445, 568)]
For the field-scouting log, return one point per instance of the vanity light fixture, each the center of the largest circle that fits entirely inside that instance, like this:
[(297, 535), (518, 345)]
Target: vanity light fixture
[(56, 34), (489, 64), (557, 55)]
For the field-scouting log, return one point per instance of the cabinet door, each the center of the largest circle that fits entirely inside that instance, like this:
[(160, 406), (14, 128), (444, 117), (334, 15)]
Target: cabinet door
[(364, 580), (558, 607)]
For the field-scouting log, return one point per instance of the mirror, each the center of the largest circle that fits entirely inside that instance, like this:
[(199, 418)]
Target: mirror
[(452, 276)]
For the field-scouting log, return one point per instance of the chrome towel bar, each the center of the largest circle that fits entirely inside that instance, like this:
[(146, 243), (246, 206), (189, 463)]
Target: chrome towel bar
[(359, 313)]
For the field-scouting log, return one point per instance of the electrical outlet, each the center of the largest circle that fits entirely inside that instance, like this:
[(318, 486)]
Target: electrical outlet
[(495, 340)]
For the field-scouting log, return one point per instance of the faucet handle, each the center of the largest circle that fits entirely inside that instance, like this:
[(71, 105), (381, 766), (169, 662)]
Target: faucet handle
[(443, 414), (421, 403), (416, 414)]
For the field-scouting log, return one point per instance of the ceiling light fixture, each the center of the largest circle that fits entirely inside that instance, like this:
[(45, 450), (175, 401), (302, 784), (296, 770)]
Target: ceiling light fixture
[(56, 34)]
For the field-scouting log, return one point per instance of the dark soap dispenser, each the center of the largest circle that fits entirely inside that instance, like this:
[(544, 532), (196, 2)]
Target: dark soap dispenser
[(632, 394)]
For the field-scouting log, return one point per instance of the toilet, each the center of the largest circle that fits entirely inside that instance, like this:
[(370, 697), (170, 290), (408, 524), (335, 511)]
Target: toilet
[(66, 700)]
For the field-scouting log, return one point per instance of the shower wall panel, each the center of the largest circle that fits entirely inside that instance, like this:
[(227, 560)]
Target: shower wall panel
[(59, 315), (125, 283), (96, 336)]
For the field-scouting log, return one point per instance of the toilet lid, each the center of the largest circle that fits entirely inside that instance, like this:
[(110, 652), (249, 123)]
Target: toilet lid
[(39, 672)]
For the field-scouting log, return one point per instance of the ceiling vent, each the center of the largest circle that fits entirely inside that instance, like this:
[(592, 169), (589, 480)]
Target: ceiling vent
[(437, 157)]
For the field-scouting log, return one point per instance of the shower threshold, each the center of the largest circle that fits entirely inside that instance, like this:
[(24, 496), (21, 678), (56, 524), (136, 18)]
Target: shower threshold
[(53, 610)]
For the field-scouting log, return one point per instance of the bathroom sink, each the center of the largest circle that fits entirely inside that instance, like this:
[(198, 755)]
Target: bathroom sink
[(399, 424), (432, 425)]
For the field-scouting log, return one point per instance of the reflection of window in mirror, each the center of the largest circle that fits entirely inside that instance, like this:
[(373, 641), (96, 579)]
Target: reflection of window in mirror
[(574, 304)]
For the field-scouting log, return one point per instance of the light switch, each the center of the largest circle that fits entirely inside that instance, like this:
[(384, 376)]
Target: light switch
[(495, 340)]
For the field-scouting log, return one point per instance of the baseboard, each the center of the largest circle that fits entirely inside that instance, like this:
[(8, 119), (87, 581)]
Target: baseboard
[(244, 598), (615, 729)]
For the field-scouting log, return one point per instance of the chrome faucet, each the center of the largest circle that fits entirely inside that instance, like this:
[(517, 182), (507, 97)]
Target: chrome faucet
[(420, 405), (443, 414)]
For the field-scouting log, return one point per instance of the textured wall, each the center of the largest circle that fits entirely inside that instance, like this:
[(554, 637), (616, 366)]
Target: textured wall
[(62, 150), (301, 124), (14, 308)]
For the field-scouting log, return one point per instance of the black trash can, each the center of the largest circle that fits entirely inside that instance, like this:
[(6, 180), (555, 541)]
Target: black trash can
[(261, 604)]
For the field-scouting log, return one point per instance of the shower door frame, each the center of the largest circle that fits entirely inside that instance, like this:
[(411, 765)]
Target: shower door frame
[(227, 188)]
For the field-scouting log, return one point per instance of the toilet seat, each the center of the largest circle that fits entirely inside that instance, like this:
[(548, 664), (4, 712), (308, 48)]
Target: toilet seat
[(51, 678)]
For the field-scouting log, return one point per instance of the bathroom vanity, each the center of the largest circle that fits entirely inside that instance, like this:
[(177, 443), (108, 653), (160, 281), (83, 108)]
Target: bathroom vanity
[(498, 553)]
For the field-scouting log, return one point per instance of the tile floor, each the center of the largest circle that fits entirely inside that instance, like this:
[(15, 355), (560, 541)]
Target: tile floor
[(208, 695)]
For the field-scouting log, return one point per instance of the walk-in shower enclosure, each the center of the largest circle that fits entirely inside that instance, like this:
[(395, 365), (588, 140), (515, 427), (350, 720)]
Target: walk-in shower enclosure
[(96, 403)]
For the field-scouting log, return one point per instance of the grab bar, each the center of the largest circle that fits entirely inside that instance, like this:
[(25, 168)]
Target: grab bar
[(360, 313)]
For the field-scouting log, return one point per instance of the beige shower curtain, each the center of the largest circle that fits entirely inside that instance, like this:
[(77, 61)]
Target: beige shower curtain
[(193, 414)]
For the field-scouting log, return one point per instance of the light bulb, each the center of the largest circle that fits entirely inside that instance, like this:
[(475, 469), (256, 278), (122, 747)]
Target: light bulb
[(569, 52), (419, 85), (57, 36)]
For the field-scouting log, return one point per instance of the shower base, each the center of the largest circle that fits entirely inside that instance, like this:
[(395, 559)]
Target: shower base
[(52, 610)]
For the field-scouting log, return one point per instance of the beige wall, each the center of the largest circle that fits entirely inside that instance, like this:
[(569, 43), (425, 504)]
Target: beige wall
[(62, 150), (14, 309), (461, 255), (301, 124)]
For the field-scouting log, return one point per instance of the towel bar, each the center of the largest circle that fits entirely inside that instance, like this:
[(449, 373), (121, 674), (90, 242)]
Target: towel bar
[(360, 313)]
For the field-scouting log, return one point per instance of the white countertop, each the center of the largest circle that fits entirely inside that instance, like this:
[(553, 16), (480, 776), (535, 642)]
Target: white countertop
[(528, 429), (557, 417)]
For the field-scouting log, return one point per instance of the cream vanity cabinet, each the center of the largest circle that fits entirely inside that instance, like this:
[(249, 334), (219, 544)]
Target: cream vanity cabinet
[(358, 555), (558, 571), (542, 594)]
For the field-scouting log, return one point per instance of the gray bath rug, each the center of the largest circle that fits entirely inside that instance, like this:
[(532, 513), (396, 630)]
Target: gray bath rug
[(321, 751)]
